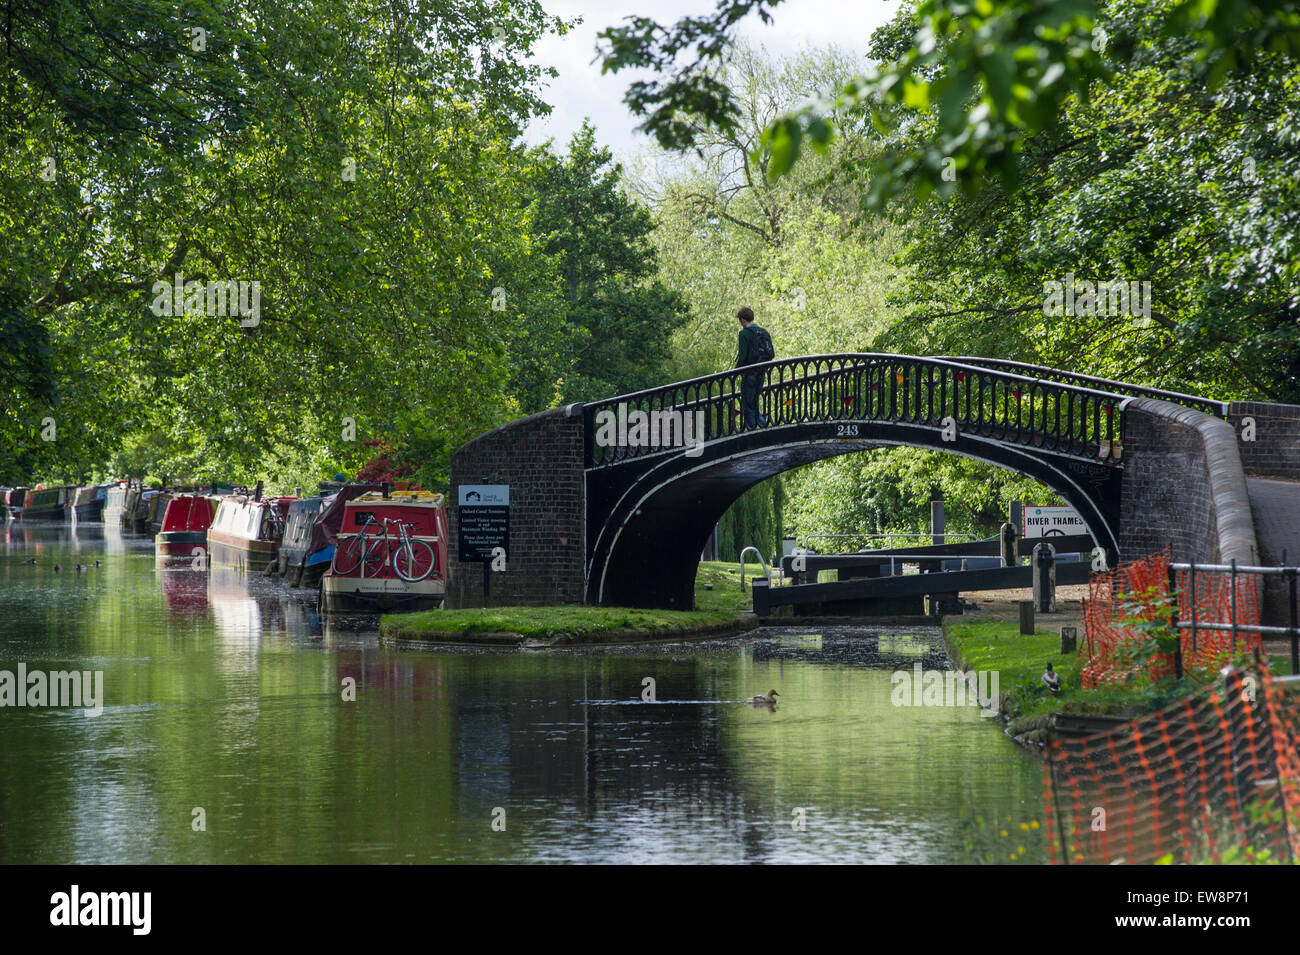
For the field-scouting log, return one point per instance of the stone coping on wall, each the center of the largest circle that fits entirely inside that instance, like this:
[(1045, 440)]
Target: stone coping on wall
[(1233, 519)]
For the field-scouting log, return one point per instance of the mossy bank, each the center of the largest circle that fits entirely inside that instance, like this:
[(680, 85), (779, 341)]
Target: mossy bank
[(721, 609), (1020, 659)]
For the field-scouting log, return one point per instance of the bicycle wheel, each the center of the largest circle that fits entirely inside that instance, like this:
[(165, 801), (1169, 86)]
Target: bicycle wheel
[(347, 557), (376, 557), (413, 561)]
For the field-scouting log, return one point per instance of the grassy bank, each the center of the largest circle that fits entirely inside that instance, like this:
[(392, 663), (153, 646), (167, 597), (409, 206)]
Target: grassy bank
[(1021, 659), (719, 604)]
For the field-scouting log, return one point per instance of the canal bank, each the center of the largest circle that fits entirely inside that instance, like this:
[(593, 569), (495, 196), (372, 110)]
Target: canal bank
[(989, 639), (540, 627), (722, 609)]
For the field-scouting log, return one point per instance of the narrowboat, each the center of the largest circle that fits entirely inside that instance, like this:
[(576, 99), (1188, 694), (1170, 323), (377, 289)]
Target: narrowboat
[(143, 510), (246, 532), (45, 503), (298, 526), (139, 513), (374, 569), (311, 532), (153, 520), (86, 504), (13, 502), (115, 502), (132, 504), (185, 527)]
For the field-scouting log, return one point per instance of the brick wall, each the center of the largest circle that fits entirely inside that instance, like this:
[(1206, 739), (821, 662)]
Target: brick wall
[(541, 458), (1183, 486), (1275, 452)]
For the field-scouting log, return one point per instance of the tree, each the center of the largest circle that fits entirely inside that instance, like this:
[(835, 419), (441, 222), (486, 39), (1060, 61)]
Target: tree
[(1021, 61), (1159, 179), (357, 164), (617, 316), (26, 377), (794, 249), (890, 490)]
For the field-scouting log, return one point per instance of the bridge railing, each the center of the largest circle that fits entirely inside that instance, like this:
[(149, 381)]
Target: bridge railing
[(1207, 405), (1069, 419)]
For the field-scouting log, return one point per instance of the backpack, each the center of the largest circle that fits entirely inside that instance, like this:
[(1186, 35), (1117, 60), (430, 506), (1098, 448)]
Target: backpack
[(762, 349)]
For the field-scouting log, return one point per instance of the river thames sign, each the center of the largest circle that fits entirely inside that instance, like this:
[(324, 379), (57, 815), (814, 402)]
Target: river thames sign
[(1053, 522)]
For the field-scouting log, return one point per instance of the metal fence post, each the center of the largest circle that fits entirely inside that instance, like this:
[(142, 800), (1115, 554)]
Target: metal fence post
[(1044, 578), (1232, 598), (1295, 633), (1173, 623), (1010, 554)]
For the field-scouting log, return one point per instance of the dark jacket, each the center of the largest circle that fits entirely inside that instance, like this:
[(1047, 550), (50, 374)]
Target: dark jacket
[(746, 352)]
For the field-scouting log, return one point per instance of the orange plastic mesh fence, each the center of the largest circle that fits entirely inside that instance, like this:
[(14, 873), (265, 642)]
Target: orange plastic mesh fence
[(1139, 592), (1215, 773)]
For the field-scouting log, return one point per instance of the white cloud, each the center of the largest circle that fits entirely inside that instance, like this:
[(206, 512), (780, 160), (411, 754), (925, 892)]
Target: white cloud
[(581, 90)]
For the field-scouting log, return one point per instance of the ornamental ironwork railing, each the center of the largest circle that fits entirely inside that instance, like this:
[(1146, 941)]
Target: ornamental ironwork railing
[(1080, 421), (1208, 405)]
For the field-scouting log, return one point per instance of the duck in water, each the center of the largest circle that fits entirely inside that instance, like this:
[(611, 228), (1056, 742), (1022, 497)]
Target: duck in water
[(81, 568), (760, 700), (57, 568), (1052, 679)]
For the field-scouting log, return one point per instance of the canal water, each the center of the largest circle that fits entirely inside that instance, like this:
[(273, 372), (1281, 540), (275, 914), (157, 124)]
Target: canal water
[(226, 737)]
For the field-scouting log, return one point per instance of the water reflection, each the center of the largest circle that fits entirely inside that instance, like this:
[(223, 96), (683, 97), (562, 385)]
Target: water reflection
[(230, 693), (184, 589)]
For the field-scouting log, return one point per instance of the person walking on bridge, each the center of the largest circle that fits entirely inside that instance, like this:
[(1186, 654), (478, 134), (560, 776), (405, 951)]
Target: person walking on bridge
[(755, 347)]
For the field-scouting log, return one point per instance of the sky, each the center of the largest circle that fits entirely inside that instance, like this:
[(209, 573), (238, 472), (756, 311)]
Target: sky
[(581, 90)]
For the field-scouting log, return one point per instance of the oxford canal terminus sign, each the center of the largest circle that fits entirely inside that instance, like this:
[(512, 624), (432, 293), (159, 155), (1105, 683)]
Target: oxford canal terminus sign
[(483, 519)]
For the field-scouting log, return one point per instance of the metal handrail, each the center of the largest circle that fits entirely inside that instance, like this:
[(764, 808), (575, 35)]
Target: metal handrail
[(862, 359), (834, 389), (1219, 408), (767, 573)]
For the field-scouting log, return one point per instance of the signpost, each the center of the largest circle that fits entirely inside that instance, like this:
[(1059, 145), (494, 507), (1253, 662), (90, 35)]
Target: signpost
[(483, 522), (1053, 522)]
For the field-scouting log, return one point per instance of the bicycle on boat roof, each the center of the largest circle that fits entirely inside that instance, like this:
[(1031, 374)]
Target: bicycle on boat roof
[(412, 559)]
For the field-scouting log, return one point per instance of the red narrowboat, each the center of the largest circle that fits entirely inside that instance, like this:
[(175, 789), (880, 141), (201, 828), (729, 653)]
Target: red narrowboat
[(391, 554), (185, 527)]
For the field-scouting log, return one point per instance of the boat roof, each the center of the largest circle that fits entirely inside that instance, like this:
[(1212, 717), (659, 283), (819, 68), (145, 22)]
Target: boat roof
[(418, 498), (241, 499)]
